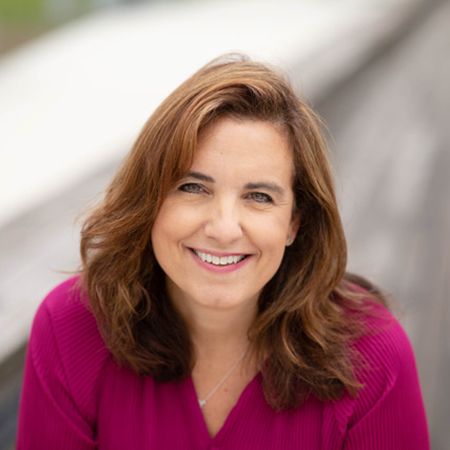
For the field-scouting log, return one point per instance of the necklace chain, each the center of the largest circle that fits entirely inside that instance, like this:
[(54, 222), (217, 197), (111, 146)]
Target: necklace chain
[(217, 386)]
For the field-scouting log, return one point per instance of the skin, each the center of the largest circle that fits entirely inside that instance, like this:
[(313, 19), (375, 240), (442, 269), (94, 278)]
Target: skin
[(236, 203)]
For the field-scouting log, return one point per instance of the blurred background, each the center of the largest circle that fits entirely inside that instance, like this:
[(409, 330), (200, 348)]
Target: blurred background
[(78, 78)]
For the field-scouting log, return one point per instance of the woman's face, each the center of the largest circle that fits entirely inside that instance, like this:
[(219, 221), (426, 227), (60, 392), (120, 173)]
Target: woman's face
[(221, 232)]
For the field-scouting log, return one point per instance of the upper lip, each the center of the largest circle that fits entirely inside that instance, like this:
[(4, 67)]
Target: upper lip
[(220, 254)]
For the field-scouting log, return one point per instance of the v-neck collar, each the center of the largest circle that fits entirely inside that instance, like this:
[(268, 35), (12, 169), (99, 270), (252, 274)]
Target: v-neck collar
[(233, 414)]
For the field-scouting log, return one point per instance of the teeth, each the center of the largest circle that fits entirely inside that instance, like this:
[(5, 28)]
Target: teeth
[(219, 261)]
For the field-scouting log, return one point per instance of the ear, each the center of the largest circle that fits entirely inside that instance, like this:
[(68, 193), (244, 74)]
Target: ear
[(293, 229)]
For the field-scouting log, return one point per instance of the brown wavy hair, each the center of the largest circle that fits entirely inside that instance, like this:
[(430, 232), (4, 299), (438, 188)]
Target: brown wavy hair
[(303, 331)]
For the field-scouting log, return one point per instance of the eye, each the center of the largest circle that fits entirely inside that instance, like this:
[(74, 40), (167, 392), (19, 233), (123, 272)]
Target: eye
[(260, 197), (193, 188)]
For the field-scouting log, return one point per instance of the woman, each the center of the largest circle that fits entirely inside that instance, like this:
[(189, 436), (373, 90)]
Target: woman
[(213, 309)]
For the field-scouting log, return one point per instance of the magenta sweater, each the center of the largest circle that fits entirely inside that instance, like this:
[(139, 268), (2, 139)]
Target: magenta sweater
[(76, 397)]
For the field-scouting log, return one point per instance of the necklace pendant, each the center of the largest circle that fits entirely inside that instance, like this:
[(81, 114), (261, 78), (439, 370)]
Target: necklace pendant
[(202, 402)]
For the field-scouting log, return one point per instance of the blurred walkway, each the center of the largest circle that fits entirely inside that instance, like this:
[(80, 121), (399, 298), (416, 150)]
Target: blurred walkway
[(391, 126)]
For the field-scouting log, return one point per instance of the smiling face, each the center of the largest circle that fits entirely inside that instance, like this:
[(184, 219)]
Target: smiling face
[(221, 232)]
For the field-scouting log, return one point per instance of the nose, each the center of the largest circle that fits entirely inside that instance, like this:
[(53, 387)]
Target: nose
[(224, 221)]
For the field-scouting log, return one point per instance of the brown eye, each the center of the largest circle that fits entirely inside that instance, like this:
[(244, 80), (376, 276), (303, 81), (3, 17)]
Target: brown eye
[(193, 188), (260, 197)]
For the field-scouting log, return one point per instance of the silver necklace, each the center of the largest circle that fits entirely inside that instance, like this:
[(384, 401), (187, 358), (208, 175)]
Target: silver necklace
[(217, 386)]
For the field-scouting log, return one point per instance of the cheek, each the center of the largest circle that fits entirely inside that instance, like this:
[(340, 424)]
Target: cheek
[(271, 235), (163, 233), (173, 224), (277, 225)]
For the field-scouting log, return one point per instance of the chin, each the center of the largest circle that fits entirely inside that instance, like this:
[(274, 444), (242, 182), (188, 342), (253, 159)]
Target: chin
[(224, 302)]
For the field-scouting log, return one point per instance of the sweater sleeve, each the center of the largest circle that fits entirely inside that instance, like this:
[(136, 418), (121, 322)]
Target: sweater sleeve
[(389, 414), (57, 409)]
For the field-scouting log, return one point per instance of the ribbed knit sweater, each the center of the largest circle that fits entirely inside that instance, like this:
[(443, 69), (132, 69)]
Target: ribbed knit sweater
[(75, 396)]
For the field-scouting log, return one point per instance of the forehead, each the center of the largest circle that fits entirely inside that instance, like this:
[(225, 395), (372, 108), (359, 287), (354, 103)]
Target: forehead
[(252, 146)]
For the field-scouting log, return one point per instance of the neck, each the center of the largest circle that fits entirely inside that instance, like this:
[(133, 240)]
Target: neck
[(215, 331)]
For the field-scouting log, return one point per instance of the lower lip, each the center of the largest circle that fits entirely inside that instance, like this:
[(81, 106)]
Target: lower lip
[(220, 269)]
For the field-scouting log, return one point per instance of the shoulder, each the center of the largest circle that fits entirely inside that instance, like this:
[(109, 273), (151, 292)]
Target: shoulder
[(384, 346), (66, 345), (385, 349), (65, 314), (385, 367)]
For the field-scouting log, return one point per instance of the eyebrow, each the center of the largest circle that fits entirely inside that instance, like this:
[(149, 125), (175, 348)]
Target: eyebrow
[(266, 185), (261, 185), (200, 176)]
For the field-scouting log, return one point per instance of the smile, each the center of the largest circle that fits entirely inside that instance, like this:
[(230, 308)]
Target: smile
[(219, 260)]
